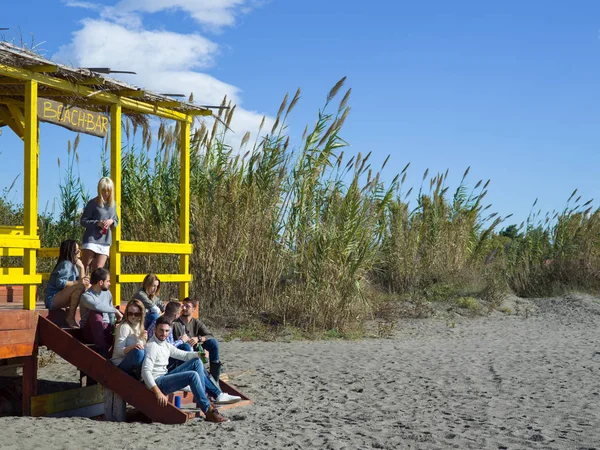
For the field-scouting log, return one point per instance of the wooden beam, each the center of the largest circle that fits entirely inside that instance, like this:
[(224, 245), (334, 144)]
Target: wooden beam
[(206, 112), (11, 229), (30, 197), (43, 68), (11, 82), (93, 81), (150, 248), (184, 205), (30, 382), (10, 100), (24, 336), (43, 405), (87, 411), (29, 280), (11, 251), (115, 173), (19, 242), (18, 118), (129, 92), (7, 118), (18, 335), (84, 91), (12, 270), (164, 278), (18, 320), (167, 103), (14, 350), (49, 252)]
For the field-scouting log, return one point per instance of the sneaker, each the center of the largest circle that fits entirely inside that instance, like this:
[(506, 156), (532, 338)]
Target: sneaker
[(213, 415), (186, 389), (224, 399)]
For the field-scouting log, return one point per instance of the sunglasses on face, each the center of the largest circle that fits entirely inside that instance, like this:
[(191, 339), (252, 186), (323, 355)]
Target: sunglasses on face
[(134, 314)]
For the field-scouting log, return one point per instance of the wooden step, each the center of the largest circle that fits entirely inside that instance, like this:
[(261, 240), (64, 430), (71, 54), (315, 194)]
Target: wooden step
[(187, 398)]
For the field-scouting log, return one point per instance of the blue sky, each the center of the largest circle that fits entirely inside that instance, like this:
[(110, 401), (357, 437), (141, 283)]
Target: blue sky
[(508, 88)]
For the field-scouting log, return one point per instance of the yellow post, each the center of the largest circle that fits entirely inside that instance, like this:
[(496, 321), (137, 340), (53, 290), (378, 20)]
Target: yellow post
[(30, 199), (184, 215), (115, 174)]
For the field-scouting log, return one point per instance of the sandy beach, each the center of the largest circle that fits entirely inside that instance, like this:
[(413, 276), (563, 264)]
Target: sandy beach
[(526, 380)]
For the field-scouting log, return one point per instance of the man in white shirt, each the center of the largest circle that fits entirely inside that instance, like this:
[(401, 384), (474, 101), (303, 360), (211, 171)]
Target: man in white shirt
[(190, 373)]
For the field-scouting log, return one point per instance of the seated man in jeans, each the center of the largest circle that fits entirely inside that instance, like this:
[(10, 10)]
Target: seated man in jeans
[(161, 382), (195, 334), (98, 313)]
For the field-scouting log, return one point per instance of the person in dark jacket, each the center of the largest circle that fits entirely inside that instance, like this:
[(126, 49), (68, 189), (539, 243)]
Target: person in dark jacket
[(98, 218)]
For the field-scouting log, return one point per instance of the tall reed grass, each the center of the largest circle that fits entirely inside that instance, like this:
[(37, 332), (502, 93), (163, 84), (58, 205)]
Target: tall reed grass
[(310, 236)]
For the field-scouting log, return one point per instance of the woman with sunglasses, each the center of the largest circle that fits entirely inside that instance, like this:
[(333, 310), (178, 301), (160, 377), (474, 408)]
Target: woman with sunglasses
[(67, 281), (130, 338)]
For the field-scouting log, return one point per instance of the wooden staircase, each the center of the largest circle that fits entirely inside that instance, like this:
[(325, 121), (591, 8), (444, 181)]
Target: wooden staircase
[(107, 374)]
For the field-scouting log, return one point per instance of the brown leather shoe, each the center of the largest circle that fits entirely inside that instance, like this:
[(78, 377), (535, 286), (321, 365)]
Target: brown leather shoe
[(213, 415)]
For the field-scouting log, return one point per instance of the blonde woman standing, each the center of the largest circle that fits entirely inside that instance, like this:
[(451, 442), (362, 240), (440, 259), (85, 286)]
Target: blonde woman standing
[(130, 338), (99, 216)]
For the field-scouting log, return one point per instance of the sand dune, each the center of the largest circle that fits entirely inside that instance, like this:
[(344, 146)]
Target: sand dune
[(503, 381)]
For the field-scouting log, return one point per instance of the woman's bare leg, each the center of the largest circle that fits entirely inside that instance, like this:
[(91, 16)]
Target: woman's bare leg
[(87, 258), (73, 303), (69, 297), (99, 261)]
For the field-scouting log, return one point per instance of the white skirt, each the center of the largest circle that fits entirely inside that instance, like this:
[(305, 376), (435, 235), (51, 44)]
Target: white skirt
[(100, 249)]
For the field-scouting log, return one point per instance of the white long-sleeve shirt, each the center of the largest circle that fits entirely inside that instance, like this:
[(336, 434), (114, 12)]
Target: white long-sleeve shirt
[(124, 337), (157, 359)]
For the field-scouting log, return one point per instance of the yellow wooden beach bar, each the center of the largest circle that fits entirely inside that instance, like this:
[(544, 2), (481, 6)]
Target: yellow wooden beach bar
[(34, 89)]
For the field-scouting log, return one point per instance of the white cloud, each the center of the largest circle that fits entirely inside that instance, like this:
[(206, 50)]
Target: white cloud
[(80, 4), (164, 62), (105, 44), (215, 13)]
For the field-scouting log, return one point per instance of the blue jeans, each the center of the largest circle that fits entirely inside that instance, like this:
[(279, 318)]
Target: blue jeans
[(174, 363), (188, 374), (150, 317), (132, 361), (212, 346), (211, 388)]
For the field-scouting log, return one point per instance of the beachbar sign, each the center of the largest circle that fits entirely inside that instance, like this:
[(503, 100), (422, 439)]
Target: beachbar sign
[(72, 117)]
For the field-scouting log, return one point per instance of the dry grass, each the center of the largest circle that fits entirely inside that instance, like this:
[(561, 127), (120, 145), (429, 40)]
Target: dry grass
[(314, 240)]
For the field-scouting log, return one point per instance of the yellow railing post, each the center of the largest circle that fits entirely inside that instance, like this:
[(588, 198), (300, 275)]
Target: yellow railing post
[(184, 218), (30, 199), (115, 174)]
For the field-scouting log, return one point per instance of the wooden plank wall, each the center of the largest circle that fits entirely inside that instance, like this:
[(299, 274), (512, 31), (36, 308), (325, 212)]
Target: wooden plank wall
[(58, 404), (17, 333)]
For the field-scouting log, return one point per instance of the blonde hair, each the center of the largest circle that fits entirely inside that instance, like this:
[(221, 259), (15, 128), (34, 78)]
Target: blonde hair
[(149, 281), (138, 329), (105, 183)]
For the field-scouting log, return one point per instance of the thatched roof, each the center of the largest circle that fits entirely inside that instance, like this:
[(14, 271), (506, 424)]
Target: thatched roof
[(12, 89)]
